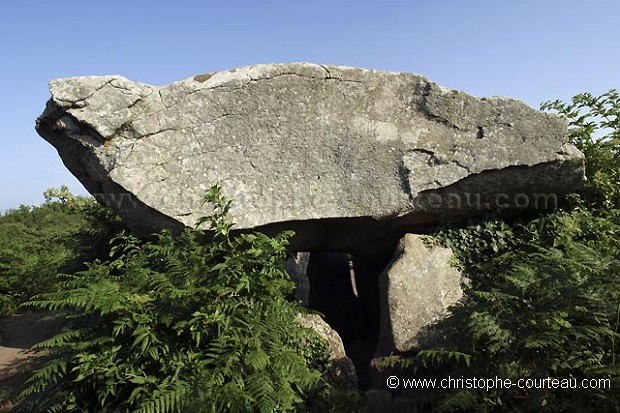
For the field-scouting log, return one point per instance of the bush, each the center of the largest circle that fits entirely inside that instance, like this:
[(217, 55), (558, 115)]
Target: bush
[(179, 323), (37, 243), (547, 305)]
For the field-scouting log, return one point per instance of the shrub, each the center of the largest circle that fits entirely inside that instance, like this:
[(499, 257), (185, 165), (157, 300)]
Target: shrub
[(547, 305), (37, 243), (179, 323)]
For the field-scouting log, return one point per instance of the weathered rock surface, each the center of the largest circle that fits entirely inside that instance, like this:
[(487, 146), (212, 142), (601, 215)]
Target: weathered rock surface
[(341, 155), (341, 370), (297, 266), (416, 290)]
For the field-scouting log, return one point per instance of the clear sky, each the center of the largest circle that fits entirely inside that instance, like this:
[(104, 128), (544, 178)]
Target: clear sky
[(532, 50)]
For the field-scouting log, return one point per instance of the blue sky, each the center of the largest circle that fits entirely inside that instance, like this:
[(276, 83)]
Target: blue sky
[(532, 50)]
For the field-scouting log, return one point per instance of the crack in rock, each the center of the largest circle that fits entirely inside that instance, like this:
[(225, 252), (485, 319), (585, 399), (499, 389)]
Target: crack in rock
[(296, 153)]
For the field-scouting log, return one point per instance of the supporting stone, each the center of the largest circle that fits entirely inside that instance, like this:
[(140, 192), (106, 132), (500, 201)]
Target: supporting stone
[(297, 266), (416, 290), (341, 370)]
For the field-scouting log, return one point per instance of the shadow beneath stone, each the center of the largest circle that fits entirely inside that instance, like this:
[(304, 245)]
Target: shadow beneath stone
[(25, 330)]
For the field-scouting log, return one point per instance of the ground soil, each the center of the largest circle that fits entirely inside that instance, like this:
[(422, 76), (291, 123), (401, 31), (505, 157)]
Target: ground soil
[(17, 335)]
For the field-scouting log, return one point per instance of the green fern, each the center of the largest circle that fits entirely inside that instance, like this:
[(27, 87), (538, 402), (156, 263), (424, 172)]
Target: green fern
[(544, 305), (185, 322)]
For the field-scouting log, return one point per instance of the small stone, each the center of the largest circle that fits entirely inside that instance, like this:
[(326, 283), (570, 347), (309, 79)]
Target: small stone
[(341, 370)]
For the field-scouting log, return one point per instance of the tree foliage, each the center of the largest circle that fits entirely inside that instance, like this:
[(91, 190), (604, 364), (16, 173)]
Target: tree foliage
[(594, 126), (59, 236)]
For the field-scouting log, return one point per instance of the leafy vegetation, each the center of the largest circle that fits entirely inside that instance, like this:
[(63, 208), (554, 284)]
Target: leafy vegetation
[(595, 129), (543, 295), (544, 305), (37, 243), (180, 323)]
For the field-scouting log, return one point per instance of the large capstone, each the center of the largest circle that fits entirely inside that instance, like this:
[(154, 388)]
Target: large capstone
[(341, 155)]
